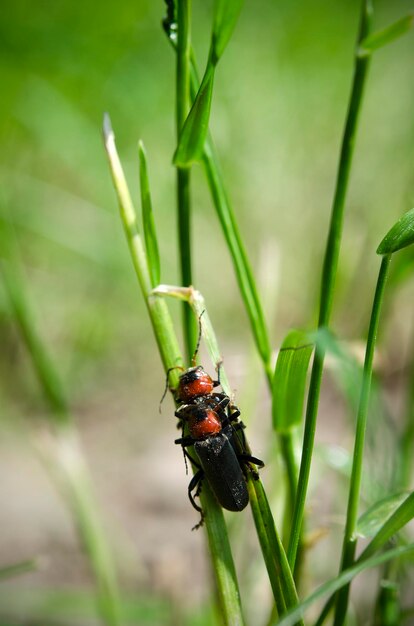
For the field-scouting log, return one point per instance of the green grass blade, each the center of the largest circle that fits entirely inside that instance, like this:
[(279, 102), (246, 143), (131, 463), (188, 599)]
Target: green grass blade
[(401, 517), (399, 236), (18, 568), (44, 368), (244, 274), (289, 380), (193, 135), (328, 279), (334, 585), (274, 555), (225, 18), (387, 35), (194, 132), (67, 457), (220, 551), (371, 521), (150, 235), (350, 540)]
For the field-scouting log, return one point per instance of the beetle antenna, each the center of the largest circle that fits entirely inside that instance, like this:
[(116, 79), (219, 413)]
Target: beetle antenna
[(176, 367), (193, 360)]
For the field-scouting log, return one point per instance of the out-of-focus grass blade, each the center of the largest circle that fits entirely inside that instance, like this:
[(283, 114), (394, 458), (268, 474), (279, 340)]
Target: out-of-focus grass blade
[(193, 136), (225, 18), (289, 380), (44, 368), (371, 521), (387, 35), (401, 517), (18, 568), (347, 371), (150, 235), (340, 581), (399, 236), (57, 606)]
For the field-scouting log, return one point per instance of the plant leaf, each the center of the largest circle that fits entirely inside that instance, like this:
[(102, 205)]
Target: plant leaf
[(399, 236), (225, 19), (401, 517), (150, 234), (371, 521), (194, 132), (387, 35), (333, 585), (289, 380)]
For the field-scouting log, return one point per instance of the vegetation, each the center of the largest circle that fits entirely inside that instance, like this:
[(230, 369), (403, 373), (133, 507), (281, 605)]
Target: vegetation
[(372, 486)]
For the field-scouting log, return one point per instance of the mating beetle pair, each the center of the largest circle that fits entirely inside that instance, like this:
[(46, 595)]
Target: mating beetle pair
[(223, 455)]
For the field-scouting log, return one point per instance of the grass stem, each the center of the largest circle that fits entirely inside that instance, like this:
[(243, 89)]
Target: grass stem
[(328, 277), (349, 542), (183, 174)]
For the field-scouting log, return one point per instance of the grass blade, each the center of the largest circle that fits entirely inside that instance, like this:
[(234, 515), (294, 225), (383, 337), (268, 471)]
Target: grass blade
[(67, 455), (401, 517), (193, 135), (399, 236), (289, 380), (225, 18), (194, 131), (349, 541), (244, 274), (371, 521), (328, 278), (18, 568), (220, 552), (45, 371), (387, 35), (334, 585), (274, 555), (150, 235)]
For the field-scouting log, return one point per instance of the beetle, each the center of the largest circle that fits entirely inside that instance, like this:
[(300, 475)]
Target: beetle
[(223, 458)]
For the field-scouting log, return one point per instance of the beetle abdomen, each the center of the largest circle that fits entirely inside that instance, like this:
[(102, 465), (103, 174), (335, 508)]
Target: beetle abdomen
[(223, 472)]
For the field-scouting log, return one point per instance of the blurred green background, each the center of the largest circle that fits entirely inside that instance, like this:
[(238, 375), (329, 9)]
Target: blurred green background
[(278, 112)]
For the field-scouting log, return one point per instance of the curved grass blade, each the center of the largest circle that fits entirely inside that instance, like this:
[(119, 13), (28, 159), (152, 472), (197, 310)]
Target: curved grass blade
[(387, 35), (399, 236), (401, 517), (371, 521), (194, 132), (150, 235), (220, 551), (279, 573), (225, 19), (193, 135), (288, 387), (43, 366), (332, 586), (244, 274)]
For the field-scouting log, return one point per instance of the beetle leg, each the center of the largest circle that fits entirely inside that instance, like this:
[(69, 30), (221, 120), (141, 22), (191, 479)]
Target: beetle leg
[(185, 441), (167, 380), (198, 476), (247, 459), (196, 482), (193, 461), (217, 382)]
